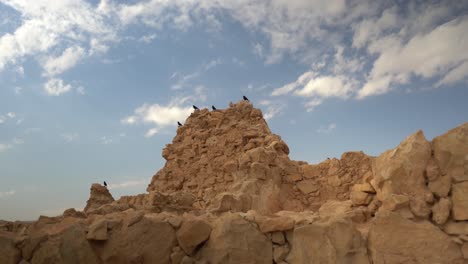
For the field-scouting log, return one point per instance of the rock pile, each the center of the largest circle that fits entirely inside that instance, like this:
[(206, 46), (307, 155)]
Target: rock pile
[(229, 193)]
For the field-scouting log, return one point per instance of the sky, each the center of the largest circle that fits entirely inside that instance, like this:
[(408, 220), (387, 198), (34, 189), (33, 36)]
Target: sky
[(92, 90)]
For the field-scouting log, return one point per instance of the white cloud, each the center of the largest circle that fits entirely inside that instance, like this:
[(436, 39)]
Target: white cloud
[(184, 81), (151, 132), (81, 90), (5, 147), (56, 87), (68, 59), (311, 85), (158, 115), (147, 38), (7, 193), (106, 140), (128, 184), (18, 90), (326, 129), (437, 53), (18, 141), (271, 108), (70, 137), (11, 115)]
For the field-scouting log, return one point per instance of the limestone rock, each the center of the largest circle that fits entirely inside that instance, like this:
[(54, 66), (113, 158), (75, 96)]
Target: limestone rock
[(456, 228), (336, 241), (97, 230), (271, 224), (234, 240), (308, 186), (394, 239), (450, 152), (192, 233), (71, 212), (441, 211), (460, 201), (441, 186), (9, 254), (360, 198), (280, 253), (401, 171), (465, 250), (278, 238), (99, 196)]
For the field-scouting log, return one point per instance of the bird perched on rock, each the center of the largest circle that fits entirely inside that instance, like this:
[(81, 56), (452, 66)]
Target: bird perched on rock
[(179, 124), (105, 183), (214, 108), (245, 98), (194, 107)]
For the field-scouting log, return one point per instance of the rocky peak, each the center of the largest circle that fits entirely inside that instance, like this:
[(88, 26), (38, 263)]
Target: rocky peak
[(99, 196)]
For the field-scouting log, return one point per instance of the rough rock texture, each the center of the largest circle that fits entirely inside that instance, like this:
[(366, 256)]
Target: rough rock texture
[(394, 239), (235, 240), (100, 196), (229, 193)]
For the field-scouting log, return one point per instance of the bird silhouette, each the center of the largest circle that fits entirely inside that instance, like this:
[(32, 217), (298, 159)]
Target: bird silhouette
[(194, 107), (179, 124), (105, 183), (214, 108), (245, 98)]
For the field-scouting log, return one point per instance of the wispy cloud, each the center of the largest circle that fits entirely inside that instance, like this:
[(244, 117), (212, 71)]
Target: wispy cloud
[(5, 147), (151, 132), (185, 80), (271, 108), (7, 193), (326, 129)]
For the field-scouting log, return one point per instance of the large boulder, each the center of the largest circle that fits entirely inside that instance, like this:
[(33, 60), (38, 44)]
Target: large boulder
[(148, 240), (192, 233), (460, 201), (99, 196), (334, 241), (235, 240), (451, 153), (401, 171), (395, 239)]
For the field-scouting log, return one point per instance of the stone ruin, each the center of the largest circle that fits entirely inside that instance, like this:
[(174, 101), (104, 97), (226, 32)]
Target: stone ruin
[(229, 193)]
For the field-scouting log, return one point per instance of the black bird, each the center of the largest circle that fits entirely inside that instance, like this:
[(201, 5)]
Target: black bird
[(105, 183), (214, 108), (178, 123), (245, 98), (194, 107)]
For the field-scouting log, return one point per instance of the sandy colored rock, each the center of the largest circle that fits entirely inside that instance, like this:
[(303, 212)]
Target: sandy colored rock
[(99, 196), (441, 186), (460, 201), (456, 228), (465, 250), (308, 186), (441, 211), (234, 240), (272, 224), (9, 254), (450, 150), (280, 253), (192, 233), (327, 242), (394, 239), (97, 230), (278, 238), (401, 171), (360, 198)]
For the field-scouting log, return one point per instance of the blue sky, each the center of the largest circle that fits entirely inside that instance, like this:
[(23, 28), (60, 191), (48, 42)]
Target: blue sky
[(92, 90)]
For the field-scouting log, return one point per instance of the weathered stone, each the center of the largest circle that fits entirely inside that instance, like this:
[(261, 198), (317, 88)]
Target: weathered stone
[(176, 257), (420, 208), (280, 253), (271, 224), (360, 198), (234, 240), (175, 221), (192, 233), (97, 230), (308, 186), (460, 201), (363, 187), (441, 186), (327, 242), (99, 196), (441, 211), (465, 250), (394, 239), (9, 254), (456, 228), (278, 238)]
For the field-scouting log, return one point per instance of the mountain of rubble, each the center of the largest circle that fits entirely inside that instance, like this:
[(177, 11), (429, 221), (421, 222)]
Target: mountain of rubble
[(229, 193)]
